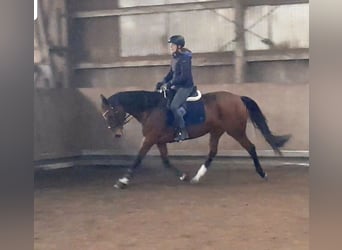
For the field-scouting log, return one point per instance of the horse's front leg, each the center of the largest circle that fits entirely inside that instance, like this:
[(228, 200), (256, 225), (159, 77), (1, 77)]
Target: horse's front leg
[(124, 181), (164, 155)]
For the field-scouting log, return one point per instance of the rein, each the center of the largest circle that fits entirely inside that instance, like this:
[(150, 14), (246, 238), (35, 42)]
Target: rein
[(127, 118)]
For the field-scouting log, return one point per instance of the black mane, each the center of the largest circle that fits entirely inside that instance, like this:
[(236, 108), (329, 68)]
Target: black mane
[(136, 101)]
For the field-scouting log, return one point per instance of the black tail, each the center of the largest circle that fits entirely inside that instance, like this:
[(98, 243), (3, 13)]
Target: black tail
[(259, 121)]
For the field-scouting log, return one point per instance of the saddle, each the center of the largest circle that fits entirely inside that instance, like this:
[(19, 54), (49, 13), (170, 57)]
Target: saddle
[(192, 110), (194, 96)]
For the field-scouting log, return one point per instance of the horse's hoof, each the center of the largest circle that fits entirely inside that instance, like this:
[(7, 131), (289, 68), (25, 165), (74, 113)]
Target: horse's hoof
[(184, 177), (194, 181), (120, 185)]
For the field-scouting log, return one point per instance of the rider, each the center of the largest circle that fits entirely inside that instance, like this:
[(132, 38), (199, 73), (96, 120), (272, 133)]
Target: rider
[(179, 79)]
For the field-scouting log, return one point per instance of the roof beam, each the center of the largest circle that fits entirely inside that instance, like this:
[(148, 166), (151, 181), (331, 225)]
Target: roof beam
[(177, 7), (165, 8), (273, 2)]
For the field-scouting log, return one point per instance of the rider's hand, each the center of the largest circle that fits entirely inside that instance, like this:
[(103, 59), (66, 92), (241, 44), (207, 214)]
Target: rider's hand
[(159, 85), (164, 87)]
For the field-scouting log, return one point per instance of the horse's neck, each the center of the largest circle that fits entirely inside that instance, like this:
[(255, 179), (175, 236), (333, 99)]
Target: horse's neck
[(139, 104), (140, 116)]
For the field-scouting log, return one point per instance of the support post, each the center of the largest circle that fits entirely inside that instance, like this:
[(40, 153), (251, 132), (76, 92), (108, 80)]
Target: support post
[(239, 51), (45, 66)]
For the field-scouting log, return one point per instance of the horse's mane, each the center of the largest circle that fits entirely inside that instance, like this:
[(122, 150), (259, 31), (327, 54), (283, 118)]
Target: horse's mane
[(136, 101)]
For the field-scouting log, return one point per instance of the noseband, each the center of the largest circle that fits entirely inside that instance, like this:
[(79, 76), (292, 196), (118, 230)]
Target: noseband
[(105, 117), (126, 119), (104, 114)]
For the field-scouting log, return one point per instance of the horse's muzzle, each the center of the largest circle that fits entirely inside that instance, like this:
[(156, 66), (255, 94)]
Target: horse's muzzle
[(118, 133)]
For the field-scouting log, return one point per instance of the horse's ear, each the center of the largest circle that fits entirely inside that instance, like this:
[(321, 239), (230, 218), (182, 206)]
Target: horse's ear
[(104, 100)]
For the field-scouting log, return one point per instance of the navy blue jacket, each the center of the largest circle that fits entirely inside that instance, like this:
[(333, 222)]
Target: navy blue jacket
[(180, 74)]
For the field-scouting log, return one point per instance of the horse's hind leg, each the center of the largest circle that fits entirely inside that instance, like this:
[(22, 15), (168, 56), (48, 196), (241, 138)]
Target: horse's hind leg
[(164, 155), (213, 144), (246, 143)]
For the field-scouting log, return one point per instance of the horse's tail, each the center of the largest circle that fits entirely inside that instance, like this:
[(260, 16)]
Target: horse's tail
[(259, 121)]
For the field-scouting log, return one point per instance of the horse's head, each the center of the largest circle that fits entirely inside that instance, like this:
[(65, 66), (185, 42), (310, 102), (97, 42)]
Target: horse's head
[(115, 117)]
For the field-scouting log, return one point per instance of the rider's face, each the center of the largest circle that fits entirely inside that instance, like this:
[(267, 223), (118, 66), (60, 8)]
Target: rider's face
[(173, 48)]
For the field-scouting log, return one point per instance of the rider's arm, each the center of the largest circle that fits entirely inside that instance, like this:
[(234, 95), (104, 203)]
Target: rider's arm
[(168, 77)]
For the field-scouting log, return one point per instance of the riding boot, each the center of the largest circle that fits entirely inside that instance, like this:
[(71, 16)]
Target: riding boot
[(182, 133)]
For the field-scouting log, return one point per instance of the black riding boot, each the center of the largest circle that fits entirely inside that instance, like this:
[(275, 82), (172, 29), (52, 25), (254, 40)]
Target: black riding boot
[(182, 133)]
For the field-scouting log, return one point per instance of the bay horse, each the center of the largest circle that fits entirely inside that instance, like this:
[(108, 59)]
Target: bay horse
[(225, 112)]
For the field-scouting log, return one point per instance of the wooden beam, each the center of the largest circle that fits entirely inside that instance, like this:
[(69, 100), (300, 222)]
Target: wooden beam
[(44, 45), (200, 61), (239, 51), (178, 7), (63, 44), (125, 64), (294, 54), (273, 2), (165, 8)]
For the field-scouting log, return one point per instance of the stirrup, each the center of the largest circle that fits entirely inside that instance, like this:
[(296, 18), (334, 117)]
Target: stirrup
[(181, 135)]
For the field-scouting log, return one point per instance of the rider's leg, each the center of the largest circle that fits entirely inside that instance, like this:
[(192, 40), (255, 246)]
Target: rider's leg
[(178, 100)]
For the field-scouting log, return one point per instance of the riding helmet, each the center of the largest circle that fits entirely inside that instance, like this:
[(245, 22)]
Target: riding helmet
[(177, 39)]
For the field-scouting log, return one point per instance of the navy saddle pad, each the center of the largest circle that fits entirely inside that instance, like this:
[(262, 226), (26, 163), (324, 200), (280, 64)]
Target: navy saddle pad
[(194, 115)]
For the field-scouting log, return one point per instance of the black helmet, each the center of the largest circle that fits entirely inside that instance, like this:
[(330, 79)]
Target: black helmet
[(177, 39)]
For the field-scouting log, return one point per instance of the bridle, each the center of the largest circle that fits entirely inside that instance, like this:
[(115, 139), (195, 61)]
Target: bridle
[(127, 118), (104, 114)]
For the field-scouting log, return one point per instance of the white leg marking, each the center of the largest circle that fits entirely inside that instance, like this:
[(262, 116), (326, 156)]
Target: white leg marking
[(124, 180), (142, 141), (182, 178), (200, 173)]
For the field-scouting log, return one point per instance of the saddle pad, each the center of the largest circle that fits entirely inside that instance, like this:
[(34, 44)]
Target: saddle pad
[(195, 114)]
